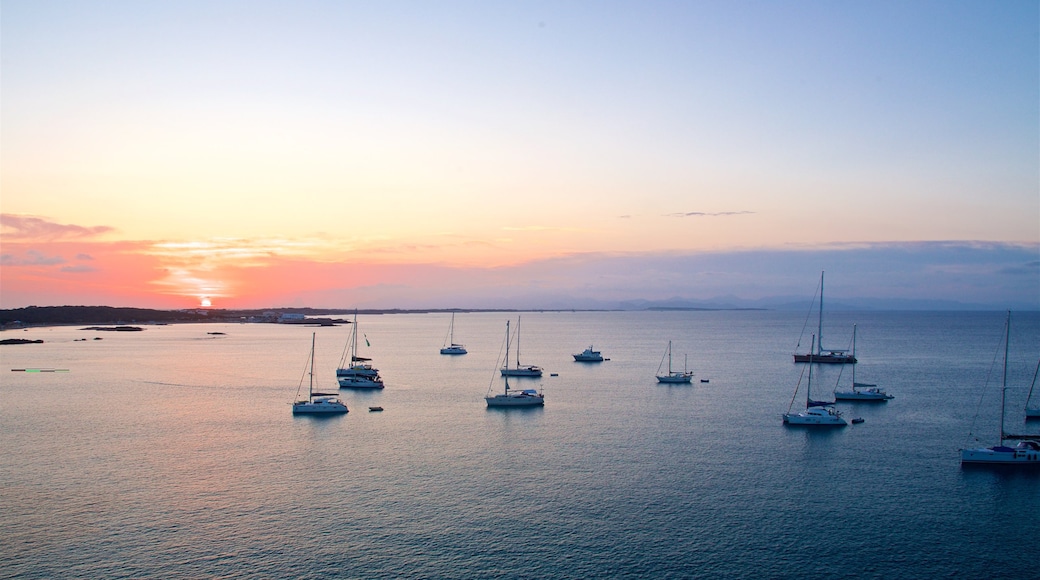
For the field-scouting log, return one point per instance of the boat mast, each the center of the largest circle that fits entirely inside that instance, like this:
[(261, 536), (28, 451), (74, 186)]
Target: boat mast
[(819, 330), (669, 357), (853, 356), (1003, 383), (808, 386), (353, 343), (451, 330), (310, 390), (507, 346), (517, 341)]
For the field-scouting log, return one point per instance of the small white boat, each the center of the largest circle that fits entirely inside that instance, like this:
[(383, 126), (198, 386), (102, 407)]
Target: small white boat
[(317, 403), (1026, 452), (588, 355), (449, 345), (520, 370), (356, 373), (816, 414), (673, 377), (861, 391)]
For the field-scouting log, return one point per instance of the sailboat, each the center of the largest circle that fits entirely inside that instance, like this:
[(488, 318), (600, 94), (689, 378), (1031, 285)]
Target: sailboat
[(816, 414), (519, 370), (317, 403), (825, 355), (449, 346), (356, 373), (1033, 412), (1025, 452), (513, 397), (861, 391), (671, 376)]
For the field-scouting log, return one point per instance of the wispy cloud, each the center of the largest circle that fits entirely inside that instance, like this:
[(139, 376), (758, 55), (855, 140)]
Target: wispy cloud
[(708, 214), (30, 258), (79, 269), (25, 227)]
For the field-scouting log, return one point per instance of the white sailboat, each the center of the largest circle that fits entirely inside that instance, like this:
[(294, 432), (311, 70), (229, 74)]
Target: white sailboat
[(513, 397), (520, 370), (1033, 412), (825, 355), (449, 345), (317, 403), (673, 377), (861, 391), (1026, 451), (356, 373), (815, 413)]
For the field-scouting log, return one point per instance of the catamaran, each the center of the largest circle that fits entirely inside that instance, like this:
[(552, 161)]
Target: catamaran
[(1026, 451), (861, 391), (449, 345), (317, 403), (816, 413), (513, 397), (520, 370), (357, 373)]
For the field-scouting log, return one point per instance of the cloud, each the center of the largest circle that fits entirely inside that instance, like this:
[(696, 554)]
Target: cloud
[(23, 227), (708, 214), (880, 275), (30, 258), (78, 269)]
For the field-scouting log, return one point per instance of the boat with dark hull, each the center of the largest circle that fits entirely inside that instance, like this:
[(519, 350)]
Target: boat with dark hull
[(824, 355)]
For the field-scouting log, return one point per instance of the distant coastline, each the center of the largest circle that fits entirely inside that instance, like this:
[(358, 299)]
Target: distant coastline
[(111, 315), (31, 316)]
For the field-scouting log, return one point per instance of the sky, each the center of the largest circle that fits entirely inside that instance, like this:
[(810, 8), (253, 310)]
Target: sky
[(487, 154)]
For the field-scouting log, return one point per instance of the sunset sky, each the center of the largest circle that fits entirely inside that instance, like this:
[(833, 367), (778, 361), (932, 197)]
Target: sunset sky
[(517, 154)]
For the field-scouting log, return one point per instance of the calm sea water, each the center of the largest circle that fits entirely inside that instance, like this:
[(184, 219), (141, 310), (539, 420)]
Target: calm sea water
[(173, 453)]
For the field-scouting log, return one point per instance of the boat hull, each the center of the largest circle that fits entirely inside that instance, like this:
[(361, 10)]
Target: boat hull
[(358, 382), (840, 359), (515, 401), (879, 397), (522, 372), (1001, 455), (323, 408), (358, 371), (453, 349), (1033, 413), (815, 417), (675, 379)]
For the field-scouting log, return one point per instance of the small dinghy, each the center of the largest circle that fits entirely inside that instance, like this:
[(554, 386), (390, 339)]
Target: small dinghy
[(374, 409)]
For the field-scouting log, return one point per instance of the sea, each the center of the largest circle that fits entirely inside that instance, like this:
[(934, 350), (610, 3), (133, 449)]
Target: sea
[(173, 452)]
